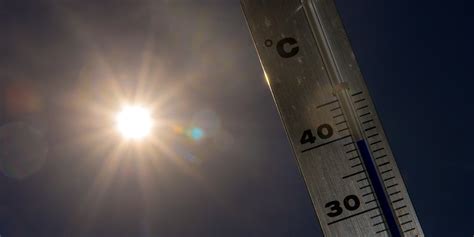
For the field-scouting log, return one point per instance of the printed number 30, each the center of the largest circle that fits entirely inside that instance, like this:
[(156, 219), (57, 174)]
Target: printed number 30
[(351, 203)]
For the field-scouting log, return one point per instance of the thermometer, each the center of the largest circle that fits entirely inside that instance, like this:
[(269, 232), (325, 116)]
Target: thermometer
[(338, 140)]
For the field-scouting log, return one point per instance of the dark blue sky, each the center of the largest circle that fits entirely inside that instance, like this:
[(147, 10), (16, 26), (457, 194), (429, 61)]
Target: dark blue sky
[(63, 63)]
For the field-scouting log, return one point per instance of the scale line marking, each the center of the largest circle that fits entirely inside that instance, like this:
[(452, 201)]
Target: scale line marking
[(325, 104), (406, 222), (367, 194), (406, 214), (368, 121), (353, 215), (323, 144), (386, 171), (373, 135), (398, 208), (354, 174)]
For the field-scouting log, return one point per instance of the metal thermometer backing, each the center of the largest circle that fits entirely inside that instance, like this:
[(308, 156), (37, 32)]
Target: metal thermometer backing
[(340, 147)]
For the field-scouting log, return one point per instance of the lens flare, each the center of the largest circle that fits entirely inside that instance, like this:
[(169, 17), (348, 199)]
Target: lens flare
[(196, 133), (134, 122)]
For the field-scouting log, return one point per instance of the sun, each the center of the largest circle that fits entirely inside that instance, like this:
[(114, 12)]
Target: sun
[(134, 122)]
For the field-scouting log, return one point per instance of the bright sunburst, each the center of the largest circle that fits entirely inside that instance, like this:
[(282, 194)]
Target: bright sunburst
[(134, 122)]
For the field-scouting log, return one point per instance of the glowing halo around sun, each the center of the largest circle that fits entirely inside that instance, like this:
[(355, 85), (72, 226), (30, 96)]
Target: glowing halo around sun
[(134, 122)]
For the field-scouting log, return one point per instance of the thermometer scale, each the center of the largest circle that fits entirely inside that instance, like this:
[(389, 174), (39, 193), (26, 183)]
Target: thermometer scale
[(340, 146)]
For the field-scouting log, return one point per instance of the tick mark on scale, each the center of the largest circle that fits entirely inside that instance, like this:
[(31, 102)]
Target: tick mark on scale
[(406, 222), (368, 121), (347, 217), (368, 129), (354, 174), (351, 151), (326, 143), (378, 150), (386, 171), (406, 214), (353, 158), (373, 143), (376, 224), (367, 194), (326, 104), (373, 135), (399, 208), (397, 192), (391, 186), (373, 217)]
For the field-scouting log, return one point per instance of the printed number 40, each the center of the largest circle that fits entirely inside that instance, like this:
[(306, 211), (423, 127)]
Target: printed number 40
[(324, 131)]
